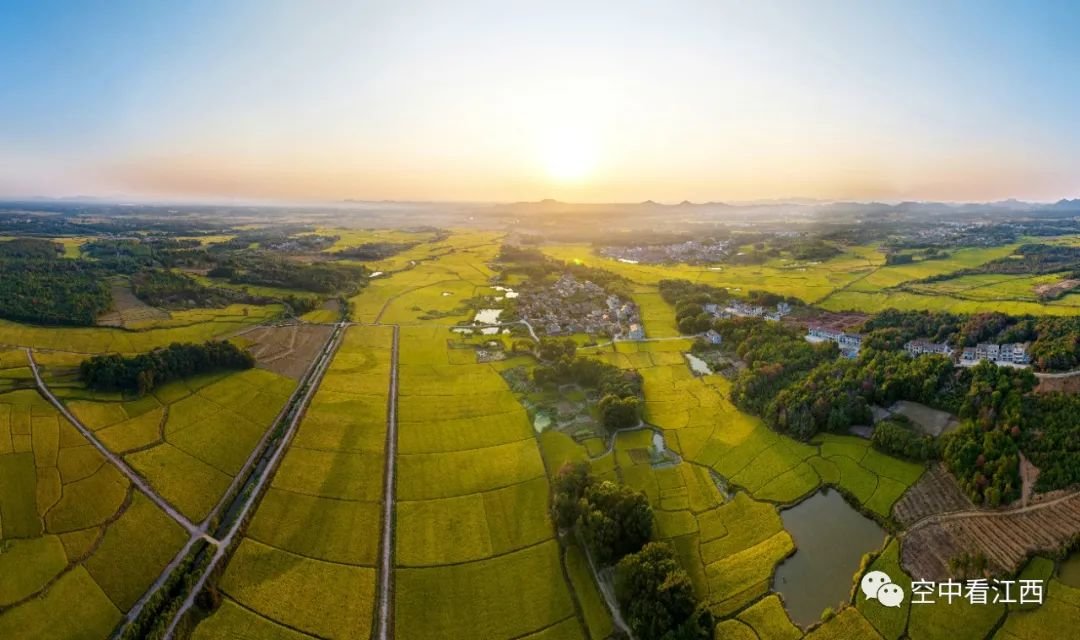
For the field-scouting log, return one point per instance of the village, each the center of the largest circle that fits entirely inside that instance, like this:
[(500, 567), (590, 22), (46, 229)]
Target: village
[(689, 252), (572, 306), (1005, 355)]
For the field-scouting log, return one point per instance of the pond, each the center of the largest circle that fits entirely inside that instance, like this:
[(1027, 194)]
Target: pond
[(831, 538), (697, 365), (487, 316), (1069, 571)]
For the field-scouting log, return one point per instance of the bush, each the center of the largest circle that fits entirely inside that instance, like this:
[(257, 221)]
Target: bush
[(657, 597)]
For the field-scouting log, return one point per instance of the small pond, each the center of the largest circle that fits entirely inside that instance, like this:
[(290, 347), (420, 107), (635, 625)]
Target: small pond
[(831, 538), (697, 365), (487, 316)]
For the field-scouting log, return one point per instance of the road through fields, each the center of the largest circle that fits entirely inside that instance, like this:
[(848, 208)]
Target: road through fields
[(385, 616)]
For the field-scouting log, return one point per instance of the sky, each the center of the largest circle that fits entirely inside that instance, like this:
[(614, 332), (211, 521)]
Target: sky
[(618, 101)]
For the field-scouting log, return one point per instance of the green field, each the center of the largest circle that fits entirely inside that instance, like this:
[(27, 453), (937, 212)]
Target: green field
[(856, 280), (191, 437), (307, 563), (80, 546), (472, 505)]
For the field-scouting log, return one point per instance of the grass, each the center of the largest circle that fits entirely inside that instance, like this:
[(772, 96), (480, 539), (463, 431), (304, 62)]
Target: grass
[(595, 610), (455, 473), (320, 598), (231, 620), (846, 625), (88, 502), (890, 622), (27, 565), (308, 559), (769, 620), (187, 326), (503, 597), (332, 530), (190, 437), (135, 550), (18, 504), (1059, 613), (189, 484), (75, 607)]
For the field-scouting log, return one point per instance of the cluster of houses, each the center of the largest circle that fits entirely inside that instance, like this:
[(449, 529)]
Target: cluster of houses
[(572, 306), (689, 252), (1011, 354), (738, 309), (849, 343)]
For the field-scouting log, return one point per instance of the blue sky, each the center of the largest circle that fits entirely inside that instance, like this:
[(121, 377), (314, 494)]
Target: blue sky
[(499, 101)]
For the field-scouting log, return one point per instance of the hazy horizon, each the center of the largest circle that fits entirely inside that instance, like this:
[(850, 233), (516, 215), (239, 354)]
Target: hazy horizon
[(481, 102)]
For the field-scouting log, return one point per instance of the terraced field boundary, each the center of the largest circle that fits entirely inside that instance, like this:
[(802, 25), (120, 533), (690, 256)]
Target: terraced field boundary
[(212, 520), (385, 616), (135, 479), (230, 540)]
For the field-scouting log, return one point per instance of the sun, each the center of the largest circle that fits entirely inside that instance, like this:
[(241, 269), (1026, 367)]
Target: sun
[(569, 156)]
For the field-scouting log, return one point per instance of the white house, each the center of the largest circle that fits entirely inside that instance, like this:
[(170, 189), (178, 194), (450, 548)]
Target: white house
[(920, 347)]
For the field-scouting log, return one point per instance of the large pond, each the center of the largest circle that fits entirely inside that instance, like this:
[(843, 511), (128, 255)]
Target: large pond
[(831, 538)]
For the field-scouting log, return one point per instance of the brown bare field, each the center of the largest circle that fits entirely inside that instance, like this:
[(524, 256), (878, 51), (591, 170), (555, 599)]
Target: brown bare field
[(1006, 538), (128, 309), (1064, 384), (1055, 290), (935, 493), (285, 350)]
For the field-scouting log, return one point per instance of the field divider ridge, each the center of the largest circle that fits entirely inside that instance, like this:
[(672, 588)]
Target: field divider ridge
[(132, 476)]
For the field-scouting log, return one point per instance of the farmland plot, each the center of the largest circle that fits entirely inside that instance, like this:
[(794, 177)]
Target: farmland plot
[(475, 553), (191, 437), (307, 563), (80, 545)]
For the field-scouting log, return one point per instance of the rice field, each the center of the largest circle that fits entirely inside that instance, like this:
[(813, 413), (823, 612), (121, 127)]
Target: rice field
[(307, 564), (196, 325), (475, 553), (189, 438), (79, 545), (856, 280)]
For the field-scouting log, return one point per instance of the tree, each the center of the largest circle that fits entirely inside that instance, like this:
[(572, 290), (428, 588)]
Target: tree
[(569, 488), (615, 520), (619, 413), (657, 597)]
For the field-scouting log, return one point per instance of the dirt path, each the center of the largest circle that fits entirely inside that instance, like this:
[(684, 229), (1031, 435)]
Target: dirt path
[(1006, 538), (385, 617), (226, 544), (134, 478)]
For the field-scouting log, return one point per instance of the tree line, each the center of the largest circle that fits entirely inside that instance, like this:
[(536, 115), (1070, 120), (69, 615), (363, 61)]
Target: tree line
[(140, 374), (801, 389), (616, 524)]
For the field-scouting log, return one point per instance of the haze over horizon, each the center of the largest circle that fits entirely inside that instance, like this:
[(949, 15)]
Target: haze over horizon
[(610, 102)]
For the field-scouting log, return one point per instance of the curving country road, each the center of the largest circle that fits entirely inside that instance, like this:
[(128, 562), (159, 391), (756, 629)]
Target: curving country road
[(135, 479)]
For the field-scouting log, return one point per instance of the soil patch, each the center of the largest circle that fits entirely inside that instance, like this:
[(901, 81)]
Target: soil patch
[(286, 350)]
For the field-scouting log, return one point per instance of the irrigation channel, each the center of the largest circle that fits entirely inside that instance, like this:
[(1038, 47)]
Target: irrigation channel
[(235, 508)]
